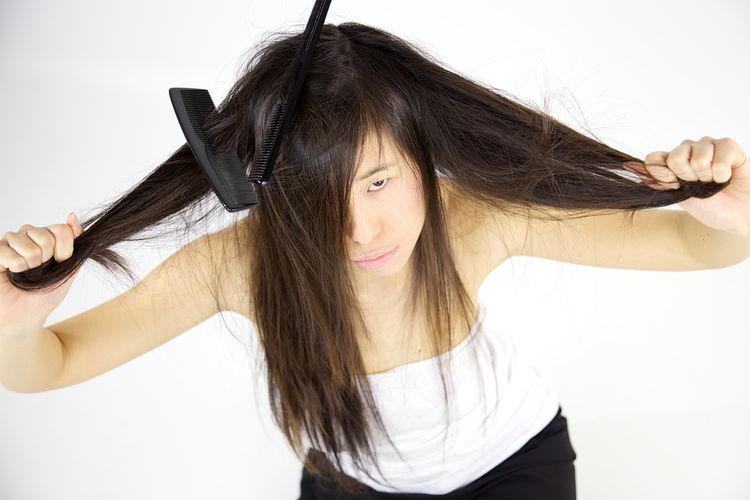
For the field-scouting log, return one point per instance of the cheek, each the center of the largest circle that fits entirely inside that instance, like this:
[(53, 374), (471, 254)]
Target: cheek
[(405, 207), (416, 205), (417, 197), (413, 208)]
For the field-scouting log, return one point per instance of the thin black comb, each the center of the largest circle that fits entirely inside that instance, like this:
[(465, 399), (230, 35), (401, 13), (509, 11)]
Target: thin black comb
[(235, 187)]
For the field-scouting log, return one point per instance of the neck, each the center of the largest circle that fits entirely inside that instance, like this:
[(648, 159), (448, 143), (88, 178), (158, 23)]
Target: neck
[(381, 294)]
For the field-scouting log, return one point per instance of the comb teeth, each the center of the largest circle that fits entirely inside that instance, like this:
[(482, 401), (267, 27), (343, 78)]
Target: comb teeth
[(267, 152), (234, 185), (284, 107), (198, 105), (223, 170)]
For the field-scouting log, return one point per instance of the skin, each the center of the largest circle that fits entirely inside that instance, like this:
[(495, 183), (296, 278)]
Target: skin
[(705, 160), (387, 209)]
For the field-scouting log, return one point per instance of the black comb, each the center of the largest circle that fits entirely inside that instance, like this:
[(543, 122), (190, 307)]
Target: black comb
[(234, 186)]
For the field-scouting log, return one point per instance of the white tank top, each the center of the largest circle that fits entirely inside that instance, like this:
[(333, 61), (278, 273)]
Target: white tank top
[(519, 404)]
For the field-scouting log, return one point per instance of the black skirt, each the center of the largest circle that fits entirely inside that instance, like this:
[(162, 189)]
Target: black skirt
[(542, 469)]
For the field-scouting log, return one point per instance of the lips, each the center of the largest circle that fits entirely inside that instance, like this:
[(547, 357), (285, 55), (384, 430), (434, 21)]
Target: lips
[(374, 256)]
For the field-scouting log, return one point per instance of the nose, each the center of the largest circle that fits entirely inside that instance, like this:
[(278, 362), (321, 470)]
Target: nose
[(365, 225)]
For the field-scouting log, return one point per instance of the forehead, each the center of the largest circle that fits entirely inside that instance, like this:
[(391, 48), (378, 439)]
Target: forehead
[(374, 153)]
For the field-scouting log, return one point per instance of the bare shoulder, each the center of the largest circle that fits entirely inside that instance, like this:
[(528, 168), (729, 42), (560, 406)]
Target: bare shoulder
[(541, 230), (483, 237)]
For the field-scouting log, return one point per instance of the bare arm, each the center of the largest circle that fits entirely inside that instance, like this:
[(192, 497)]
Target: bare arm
[(170, 300), (716, 249), (657, 240), (29, 360)]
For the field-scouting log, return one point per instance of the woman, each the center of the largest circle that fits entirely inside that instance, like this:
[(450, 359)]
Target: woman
[(350, 347)]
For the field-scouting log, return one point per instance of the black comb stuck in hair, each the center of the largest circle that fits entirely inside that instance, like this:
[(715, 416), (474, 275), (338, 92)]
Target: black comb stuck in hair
[(234, 186)]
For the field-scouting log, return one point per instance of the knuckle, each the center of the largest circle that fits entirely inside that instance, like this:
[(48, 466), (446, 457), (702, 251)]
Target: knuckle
[(700, 164), (55, 233), (44, 237), (36, 253), (659, 172), (679, 164), (723, 175), (54, 228)]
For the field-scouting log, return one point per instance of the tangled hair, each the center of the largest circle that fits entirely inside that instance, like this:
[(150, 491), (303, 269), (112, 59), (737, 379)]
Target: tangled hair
[(497, 153)]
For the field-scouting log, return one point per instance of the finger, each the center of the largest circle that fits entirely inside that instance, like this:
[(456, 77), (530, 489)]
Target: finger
[(701, 158), (655, 164), (9, 258), (725, 153), (678, 161), (63, 234), (43, 239), (656, 158), (23, 245), (645, 175)]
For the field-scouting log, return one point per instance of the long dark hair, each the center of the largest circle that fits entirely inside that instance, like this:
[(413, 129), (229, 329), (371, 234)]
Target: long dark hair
[(497, 153)]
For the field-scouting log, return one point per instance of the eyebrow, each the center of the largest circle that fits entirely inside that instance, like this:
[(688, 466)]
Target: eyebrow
[(374, 171)]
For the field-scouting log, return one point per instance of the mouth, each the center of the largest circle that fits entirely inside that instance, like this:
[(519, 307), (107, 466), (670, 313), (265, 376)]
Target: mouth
[(374, 256), (377, 262)]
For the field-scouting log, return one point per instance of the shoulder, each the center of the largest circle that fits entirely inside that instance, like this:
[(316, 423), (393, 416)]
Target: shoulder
[(463, 218), (479, 232)]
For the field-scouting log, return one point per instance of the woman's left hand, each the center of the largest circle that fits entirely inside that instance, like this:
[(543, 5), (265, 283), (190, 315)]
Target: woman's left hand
[(707, 160)]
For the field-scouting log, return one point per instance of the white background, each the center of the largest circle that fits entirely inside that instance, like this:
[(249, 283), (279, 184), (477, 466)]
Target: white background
[(651, 367)]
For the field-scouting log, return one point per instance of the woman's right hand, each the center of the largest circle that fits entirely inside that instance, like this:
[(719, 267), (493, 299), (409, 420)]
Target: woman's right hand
[(27, 248)]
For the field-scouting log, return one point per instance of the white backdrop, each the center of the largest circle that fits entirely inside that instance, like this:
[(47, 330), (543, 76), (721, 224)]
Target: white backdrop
[(657, 403)]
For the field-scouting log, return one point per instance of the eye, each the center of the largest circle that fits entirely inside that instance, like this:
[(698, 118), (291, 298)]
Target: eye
[(379, 187)]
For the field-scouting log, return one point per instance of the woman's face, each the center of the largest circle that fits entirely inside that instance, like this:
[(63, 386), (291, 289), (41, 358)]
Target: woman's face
[(387, 211)]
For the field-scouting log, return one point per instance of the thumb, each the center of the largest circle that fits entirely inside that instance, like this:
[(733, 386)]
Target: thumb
[(75, 224)]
